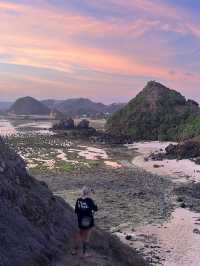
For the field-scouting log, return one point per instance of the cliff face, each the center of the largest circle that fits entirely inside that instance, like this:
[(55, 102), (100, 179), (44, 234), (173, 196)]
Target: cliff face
[(36, 227), (157, 113)]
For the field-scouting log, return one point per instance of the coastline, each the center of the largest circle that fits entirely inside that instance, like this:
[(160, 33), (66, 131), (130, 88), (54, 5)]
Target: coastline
[(174, 242), (177, 170)]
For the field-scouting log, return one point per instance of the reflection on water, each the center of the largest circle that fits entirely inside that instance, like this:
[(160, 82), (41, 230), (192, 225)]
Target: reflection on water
[(8, 127)]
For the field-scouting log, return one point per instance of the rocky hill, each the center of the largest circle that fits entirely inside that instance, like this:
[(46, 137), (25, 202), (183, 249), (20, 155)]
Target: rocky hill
[(37, 227), (157, 113), (51, 103), (28, 106), (81, 106)]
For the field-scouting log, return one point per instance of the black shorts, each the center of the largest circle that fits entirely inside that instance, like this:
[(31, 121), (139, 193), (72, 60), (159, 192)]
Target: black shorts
[(85, 222)]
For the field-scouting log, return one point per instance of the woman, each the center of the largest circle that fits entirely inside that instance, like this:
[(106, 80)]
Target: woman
[(85, 208)]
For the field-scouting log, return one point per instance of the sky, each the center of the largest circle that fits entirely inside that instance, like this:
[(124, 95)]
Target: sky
[(105, 50)]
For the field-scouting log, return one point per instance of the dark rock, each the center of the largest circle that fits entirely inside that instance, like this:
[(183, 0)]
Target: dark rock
[(197, 161), (196, 231), (179, 199), (184, 150), (157, 166), (128, 237), (183, 205), (170, 150), (157, 156), (192, 103), (83, 124), (64, 124)]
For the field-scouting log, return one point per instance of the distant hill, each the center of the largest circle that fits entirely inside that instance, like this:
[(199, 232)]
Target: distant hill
[(157, 113), (51, 103), (5, 105), (81, 106), (28, 106), (114, 107)]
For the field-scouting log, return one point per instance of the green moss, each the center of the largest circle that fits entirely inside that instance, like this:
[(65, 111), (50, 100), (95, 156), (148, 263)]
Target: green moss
[(64, 166)]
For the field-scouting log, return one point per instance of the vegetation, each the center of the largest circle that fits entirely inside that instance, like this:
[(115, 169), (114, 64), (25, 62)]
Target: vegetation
[(157, 113)]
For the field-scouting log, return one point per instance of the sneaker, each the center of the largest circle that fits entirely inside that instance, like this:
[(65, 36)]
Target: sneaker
[(74, 252), (87, 254)]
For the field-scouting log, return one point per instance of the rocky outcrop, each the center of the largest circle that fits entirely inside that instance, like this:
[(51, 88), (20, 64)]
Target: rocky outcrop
[(189, 149), (156, 113), (83, 131), (185, 150), (83, 124), (36, 227), (69, 129), (64, 124)]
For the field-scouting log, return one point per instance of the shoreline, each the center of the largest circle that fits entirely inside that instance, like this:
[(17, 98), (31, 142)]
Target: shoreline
[(176, 241), (179, 171), (172, 243)]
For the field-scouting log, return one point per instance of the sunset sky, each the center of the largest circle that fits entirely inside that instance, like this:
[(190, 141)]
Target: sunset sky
[(102, 49)]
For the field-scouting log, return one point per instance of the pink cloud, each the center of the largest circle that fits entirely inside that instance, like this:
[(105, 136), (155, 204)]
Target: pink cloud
[(47, 37)]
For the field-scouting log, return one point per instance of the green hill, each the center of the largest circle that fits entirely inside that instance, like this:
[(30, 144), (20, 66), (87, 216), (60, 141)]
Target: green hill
[(81, 106), (28, 106), (157, 113)]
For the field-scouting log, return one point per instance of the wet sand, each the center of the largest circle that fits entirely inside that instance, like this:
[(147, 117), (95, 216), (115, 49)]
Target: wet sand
[(172, 243), (178, 170)]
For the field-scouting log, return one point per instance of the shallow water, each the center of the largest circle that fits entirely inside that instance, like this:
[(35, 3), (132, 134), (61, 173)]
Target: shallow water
[(6, 128)]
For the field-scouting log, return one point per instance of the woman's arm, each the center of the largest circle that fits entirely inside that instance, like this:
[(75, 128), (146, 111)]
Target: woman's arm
[(76, 207), (94, 206)]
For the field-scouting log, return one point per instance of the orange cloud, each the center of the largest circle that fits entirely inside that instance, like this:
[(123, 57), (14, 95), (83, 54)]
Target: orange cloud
[(10, 6)]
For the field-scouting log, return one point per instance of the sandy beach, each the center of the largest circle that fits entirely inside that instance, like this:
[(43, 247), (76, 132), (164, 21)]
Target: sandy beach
[(178, 170), (176, 241)]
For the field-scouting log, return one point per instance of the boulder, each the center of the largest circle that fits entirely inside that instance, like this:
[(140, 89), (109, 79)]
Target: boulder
[(184, 150), (64, 124), (83, 124)]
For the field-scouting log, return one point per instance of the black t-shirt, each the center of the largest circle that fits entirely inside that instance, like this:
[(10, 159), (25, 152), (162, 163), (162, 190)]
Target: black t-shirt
[(84, 209)]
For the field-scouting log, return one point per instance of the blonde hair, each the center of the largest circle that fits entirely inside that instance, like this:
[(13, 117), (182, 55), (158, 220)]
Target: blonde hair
[(86, 191)]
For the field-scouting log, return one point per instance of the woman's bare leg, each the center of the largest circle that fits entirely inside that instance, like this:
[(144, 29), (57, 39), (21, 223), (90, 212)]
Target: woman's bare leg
[(77, 242), (85, 237)]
